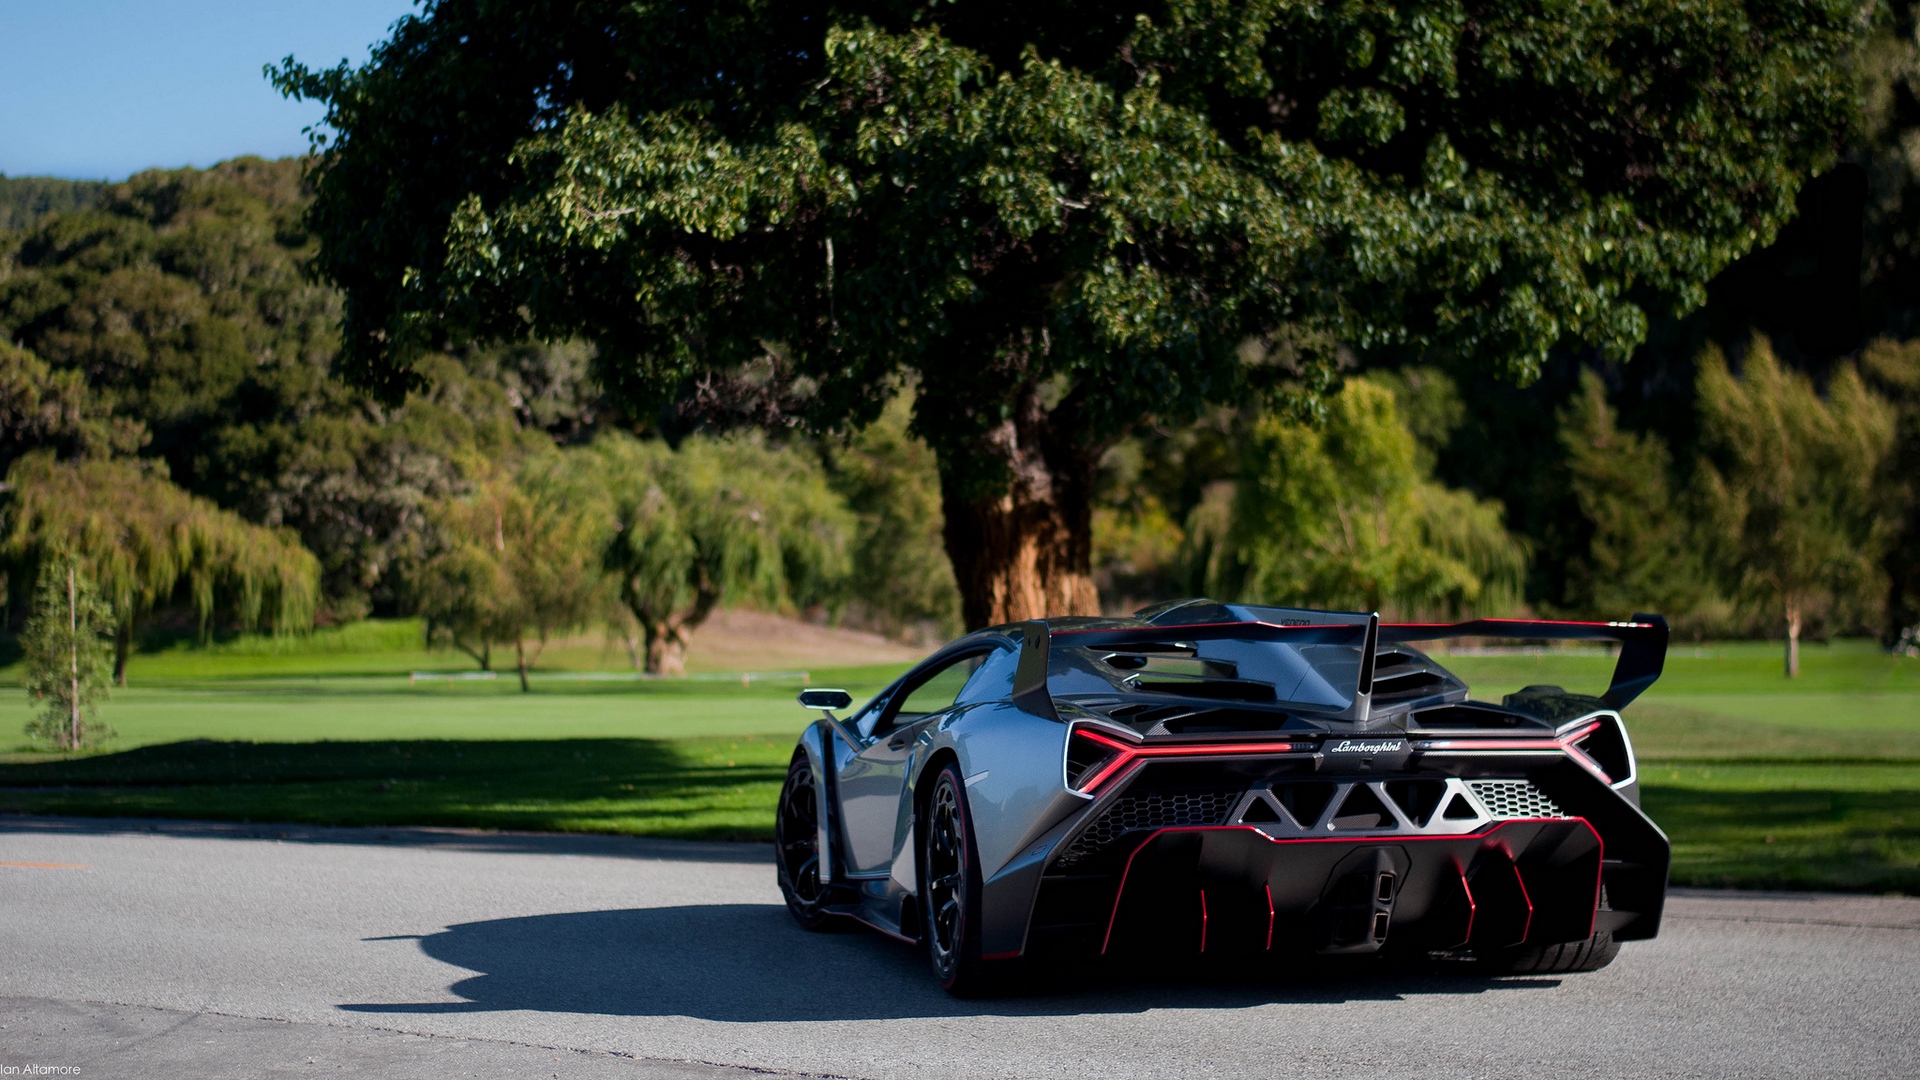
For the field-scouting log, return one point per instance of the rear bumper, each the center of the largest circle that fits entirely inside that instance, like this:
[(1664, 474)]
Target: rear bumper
[(1234, 889), (1593, 861)]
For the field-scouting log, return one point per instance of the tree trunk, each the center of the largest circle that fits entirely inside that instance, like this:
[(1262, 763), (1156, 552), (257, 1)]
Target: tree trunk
[(633, 648), (1027, 551), (73, 659), (520, 658), (666, 635), (1793, 641), (122, 645), (666, 648)]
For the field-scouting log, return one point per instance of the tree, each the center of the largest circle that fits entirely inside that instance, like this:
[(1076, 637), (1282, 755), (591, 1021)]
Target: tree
[(514, 560), (715, 520), (180, 309), (1341, 514), (1791, 482), (67, 648), (26, 199), (53, 410), (1893, 371), (141, 539), (1060, 218), (900, 581), (1641, 555)]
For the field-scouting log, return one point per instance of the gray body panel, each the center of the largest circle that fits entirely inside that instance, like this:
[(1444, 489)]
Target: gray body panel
[(1008, 732)]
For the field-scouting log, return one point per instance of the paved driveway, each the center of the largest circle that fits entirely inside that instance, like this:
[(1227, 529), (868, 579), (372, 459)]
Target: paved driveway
[(143, 949)]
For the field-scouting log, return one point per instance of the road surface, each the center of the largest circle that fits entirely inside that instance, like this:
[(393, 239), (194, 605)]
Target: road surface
[(180, 949)]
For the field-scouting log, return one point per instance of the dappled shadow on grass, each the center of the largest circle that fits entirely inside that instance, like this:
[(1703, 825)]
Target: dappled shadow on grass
[(706, 788), (749, 962), (1791, 839)]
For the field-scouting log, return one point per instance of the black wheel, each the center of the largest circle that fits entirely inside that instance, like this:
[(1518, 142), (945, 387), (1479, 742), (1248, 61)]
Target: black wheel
[(796, 836), (1590, 955), (950, 889)]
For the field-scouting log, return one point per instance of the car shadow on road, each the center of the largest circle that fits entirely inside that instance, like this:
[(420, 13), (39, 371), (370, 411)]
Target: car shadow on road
[(749, 962)]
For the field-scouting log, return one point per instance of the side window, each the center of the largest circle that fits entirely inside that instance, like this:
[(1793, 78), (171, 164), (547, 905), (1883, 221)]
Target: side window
[(937, 691), (993, 680)]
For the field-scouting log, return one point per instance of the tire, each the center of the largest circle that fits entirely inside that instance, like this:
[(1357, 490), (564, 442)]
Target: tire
[(950, 889), (1590, 955), (796, 837)]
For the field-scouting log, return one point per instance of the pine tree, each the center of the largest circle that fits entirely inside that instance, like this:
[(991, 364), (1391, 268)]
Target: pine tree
[(69, 650)]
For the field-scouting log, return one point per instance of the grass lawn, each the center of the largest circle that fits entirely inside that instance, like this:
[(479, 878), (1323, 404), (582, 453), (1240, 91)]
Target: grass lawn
[(1760, 782)]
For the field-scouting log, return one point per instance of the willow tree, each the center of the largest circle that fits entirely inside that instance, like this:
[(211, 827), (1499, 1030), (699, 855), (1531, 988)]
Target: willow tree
[(1343, 513), (1791, 480), (715, 520), (514, 562), (142, 541), (1059, 218)]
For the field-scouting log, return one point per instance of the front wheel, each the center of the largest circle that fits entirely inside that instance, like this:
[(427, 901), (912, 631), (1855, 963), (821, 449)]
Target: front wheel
[(950, 889), (796, 836)]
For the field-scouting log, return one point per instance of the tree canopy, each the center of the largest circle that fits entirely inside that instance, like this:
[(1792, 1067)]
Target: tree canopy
[(717, 519), (139, 539), (1062, 218), (515, 559), (1341, 514), (1792, 484)]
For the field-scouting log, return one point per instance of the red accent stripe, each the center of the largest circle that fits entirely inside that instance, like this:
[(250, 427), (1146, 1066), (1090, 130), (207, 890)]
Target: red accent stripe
[(1541, 745), (1269, 888), (1472, 907), (1558, 744), (1525, 897), (1514, 622), (1173, 631), (1203, 920), (1114, 915)]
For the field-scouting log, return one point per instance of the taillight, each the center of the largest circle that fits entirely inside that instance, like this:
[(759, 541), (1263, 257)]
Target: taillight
[(1090, 759), (1605, 744), (1093, 758)]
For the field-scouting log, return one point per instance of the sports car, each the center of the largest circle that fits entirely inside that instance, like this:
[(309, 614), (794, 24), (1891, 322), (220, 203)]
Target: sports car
[(1226, 780)]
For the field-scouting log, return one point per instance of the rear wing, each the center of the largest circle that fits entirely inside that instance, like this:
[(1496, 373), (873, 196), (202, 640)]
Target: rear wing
[(1643, 644), (1643, 647)]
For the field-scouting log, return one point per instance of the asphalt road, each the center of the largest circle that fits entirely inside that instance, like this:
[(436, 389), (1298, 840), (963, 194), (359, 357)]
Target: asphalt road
[(134, 949)]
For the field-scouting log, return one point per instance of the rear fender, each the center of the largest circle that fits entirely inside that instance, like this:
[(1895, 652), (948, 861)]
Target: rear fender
[(1638, 854), (1012, 764)]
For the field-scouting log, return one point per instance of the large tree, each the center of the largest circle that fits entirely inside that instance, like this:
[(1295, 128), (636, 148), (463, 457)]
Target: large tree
[(1060, 217)]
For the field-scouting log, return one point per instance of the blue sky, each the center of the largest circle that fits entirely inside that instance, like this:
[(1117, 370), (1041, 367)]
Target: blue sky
[(100, 89)]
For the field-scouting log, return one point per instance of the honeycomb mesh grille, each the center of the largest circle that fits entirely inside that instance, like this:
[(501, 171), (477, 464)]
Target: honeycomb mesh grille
[(1153, 810), (1514, 799)]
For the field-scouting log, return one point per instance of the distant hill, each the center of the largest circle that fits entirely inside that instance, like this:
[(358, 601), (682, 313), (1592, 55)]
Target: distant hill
[(26, 199)]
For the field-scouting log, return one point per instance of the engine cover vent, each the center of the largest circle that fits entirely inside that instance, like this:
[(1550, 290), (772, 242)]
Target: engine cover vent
[(1157, 809), (1514, 799)]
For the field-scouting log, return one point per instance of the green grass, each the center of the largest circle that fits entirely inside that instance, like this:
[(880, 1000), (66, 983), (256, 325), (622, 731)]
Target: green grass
[(1761, 782), (713, 788), (1789, 825), (351, 708)]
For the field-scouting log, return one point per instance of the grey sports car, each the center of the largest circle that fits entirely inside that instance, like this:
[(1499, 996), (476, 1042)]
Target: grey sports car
[(1227, 780)]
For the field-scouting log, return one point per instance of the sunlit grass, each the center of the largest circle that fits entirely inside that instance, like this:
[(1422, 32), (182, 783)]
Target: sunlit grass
[(1761, 782)]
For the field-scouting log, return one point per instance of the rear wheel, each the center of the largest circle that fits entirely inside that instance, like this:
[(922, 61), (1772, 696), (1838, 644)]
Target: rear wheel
[(796, 834), (950, 889), (1590, 955)]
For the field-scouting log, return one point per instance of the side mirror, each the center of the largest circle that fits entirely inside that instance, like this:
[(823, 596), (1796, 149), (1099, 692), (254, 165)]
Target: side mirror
[(825, 698)]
